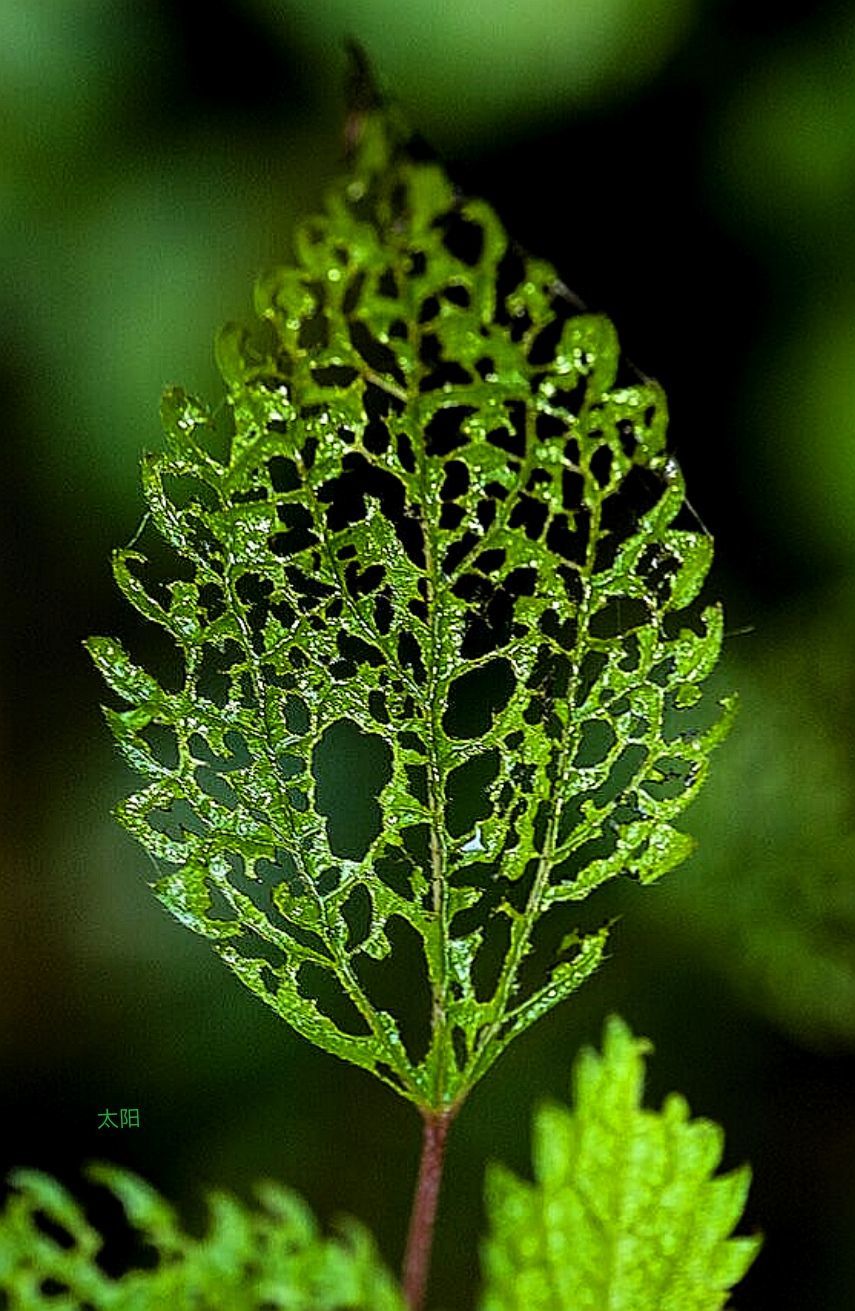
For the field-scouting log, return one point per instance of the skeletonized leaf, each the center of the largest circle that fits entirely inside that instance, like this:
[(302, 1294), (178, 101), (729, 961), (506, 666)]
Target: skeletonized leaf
[(441, 549)]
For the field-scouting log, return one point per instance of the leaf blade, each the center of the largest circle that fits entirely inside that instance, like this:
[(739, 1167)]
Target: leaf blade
[(624, 1212)]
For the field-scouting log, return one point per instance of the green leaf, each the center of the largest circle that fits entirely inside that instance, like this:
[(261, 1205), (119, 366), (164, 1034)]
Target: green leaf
[(624, 1212), (273, 1256), (441, 653)]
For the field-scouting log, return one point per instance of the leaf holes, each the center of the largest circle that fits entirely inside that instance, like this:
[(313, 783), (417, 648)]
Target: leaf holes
[(383, 613), (601, 464), (476, 697), (350, 768), (600, 847), (405, 453), (510, 272), (163, 742), (620, 614), (176, 821), (571, 543), (355, 652), (295, 712), (54, 1288), (51, 1227), (530, 515), (467, 792), (509, 442), (334, 375), (596, 739), (416, 841), (561, 631), (321, 986), (187, 491), (377, 356), (546, 343), (364, 582), (387, 284), (216, 787), (451, 516), (669, 778), (456, 481), (377, 707), (553, 941), (572, 489), (456, 294), (458, 551), (410, 656), (357, 913), (658, 567), (429, 309), (314, 334), (395, 869), (273, 880), (448, 373), (399, 985), (621, 775), (443, 431), (490, 562), (490, 956), (462, 238)]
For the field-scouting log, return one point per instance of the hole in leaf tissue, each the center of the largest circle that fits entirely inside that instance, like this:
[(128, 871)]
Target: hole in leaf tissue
[(558, 926), (351, 768), (443, 431), (164, 744), (296, 715), (51, 1287), (670, 777), (356, 912), (213, 680), (475, 698), (324, 989), (52, 1229), (283, 474), (619, 615), (621, 775), (176, 821), (216, 787), (490, 956), (596, 741), (467, 792), (462, 238), (399, 984), (270, 875)]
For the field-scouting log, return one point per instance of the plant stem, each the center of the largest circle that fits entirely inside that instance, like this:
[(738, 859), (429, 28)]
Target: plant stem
[(423, 1214)]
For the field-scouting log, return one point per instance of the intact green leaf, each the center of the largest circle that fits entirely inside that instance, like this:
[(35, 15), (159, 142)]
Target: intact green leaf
[(624, 1212), (441, 549), (273, 1256)]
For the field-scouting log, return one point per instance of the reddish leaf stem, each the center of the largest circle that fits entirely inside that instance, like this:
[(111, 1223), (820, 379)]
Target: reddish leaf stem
[(423, 1214)]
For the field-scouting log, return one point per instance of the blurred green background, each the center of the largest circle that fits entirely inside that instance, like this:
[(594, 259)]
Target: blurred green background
[(689, 165)]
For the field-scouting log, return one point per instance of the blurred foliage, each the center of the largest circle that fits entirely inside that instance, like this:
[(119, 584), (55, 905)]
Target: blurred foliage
[(275, 1255), (784, 179), (122, 245), (770, 896), (466, 70)]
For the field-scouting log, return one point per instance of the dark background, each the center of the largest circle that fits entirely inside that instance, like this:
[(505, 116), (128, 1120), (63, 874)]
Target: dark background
[(689, 166)]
